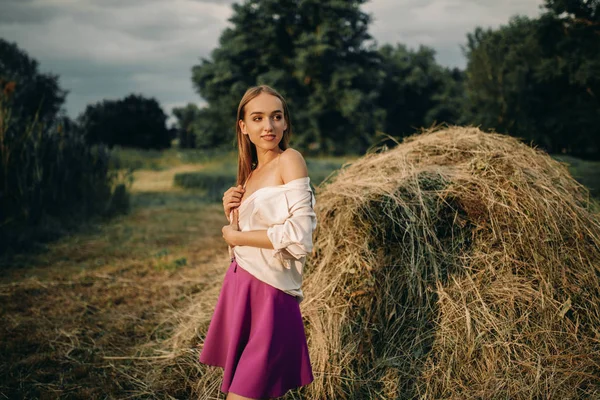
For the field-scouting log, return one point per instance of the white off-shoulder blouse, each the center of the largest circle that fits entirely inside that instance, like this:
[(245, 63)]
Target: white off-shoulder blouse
[(287, 213)]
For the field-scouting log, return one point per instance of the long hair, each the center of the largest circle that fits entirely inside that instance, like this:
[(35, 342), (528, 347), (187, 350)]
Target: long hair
[(247, 158)]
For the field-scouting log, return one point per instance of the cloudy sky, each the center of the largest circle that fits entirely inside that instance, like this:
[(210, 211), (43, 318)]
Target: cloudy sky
[(107, 49)]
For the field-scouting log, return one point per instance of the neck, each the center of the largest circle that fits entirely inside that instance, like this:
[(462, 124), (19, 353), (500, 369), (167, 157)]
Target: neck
[(265, 156)]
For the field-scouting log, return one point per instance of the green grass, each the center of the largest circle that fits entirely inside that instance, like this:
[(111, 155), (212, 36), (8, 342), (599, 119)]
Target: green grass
[(220, 174), (585, 172), (162, 159), (213, 183), (321, 168)]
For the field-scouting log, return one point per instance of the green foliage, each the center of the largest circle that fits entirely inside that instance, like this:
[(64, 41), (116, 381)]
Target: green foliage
[(584, 171), (134, 121), (37, 94), (341, 89), (319, 169), (499, 75), (416, 91), (587, 11), (51, 175), (119, 202), (314, 53), (50, 178), (540, 78), (213, 182), (186, 120)]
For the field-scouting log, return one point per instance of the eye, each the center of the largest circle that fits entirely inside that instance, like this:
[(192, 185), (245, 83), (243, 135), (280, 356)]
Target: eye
[(278, 117), (257, 118)]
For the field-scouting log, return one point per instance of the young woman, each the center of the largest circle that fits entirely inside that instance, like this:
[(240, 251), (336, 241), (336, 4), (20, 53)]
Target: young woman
[(256, 333)]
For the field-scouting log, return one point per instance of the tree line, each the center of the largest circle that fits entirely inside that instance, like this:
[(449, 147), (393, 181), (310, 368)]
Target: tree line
[(537, 79)]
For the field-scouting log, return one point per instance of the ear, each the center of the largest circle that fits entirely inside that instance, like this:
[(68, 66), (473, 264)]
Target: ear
[(242, 125)]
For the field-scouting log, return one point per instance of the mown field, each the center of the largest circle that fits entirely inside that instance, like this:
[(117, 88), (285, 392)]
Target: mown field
[(76, 314)]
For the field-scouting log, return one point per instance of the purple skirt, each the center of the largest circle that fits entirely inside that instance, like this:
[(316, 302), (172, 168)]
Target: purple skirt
[(256, 335)]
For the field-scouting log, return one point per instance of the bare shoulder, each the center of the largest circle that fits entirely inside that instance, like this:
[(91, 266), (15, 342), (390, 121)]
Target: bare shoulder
[(292, 165)]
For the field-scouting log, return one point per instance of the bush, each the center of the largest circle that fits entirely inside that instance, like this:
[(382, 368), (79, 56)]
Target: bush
[(214, 183), (50, 179), (134, 121)]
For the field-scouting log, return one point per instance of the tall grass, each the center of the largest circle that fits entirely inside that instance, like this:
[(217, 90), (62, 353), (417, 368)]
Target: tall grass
[(50, 179)]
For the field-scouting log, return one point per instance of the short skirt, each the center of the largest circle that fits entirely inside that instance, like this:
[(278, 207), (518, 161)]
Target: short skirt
[(257, 336)]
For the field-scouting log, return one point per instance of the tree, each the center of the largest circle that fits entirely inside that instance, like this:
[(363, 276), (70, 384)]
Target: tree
[(500, 77), (36, 95), (315, 53), (416, 91), (569, 37), (47, 170), (134, 121), (540, 78), (186, 120)]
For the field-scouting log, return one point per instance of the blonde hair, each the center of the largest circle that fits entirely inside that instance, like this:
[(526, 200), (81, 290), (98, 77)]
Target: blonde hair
[(247, 159)]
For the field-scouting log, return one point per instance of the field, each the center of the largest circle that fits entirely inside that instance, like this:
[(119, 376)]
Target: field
[(74, 314), (98, 293)]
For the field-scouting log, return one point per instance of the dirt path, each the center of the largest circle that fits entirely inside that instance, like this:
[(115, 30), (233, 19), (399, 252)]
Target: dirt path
[(160, 181), (102, 293)]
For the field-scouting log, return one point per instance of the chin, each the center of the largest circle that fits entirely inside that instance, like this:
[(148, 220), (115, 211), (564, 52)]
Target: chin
[(267, 145)]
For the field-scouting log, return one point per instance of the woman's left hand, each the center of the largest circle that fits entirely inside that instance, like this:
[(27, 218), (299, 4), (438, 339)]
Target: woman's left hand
[(230, 231)]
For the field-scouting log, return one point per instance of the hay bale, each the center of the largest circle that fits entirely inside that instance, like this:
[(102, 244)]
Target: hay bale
[(459, 264)]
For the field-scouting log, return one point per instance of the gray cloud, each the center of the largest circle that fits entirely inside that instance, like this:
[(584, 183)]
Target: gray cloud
[(26, 12), (219, 1), (441, 24), (110, 48), (104, 49)]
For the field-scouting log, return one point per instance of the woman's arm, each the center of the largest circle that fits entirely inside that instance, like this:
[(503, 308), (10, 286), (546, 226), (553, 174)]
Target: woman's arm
[(256, 238), (291, 166), (232, 198)]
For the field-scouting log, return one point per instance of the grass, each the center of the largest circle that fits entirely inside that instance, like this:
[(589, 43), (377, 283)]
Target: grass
[(74, 314), (220, 165), (103, 292), (220, 174), (585, 172), (157, 160)]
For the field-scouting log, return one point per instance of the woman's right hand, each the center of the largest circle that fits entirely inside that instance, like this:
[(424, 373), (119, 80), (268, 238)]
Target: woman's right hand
[(232, 198)]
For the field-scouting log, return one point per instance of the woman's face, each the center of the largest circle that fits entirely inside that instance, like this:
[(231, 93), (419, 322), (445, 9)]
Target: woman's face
[(263, 121)]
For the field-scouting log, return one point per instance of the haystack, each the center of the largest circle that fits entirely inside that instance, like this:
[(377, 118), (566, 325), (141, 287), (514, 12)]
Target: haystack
[(457, 265), (460, 264)]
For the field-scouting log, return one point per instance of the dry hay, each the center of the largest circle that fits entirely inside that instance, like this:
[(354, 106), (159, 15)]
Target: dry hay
[(459, 264), (167, 367)]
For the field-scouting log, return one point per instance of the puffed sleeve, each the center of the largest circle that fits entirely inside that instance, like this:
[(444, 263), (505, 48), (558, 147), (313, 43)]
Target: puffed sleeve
[(292, 238)]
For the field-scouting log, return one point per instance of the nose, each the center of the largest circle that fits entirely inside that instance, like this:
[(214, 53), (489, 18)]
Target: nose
[(268, 125)]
